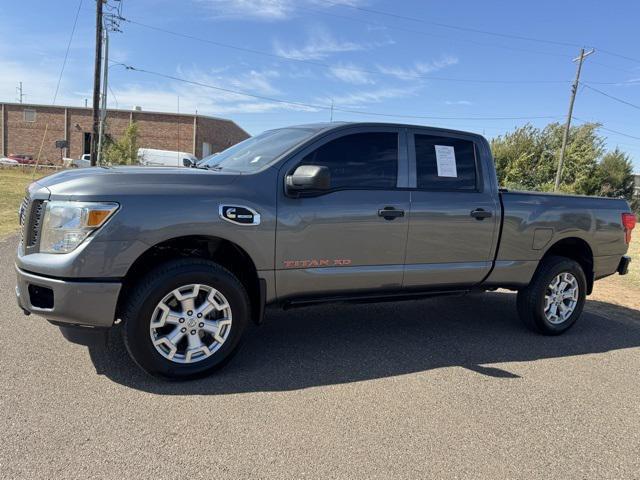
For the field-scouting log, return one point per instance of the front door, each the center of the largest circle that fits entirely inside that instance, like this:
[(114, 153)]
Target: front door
[(454, 214), (351, 238), (86, 143)]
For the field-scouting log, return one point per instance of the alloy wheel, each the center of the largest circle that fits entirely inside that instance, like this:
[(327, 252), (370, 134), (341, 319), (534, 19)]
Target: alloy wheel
[(561, 298), (190, 323)]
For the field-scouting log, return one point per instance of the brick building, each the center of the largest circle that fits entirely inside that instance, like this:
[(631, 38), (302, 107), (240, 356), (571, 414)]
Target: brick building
[(23, 126)]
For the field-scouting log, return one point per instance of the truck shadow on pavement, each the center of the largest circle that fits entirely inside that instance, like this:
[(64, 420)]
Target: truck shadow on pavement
[(343, 343)]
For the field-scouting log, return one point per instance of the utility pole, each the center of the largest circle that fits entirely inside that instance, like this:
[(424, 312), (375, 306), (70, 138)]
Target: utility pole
[(20, 94), (96, 85), (565, 137), (105, 83), (331, 115)]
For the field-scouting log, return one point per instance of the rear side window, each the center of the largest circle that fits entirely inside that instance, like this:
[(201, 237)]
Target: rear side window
[(361, 160), (445, 163)]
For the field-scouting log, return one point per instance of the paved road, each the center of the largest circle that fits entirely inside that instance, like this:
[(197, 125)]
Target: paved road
[(440, 388)]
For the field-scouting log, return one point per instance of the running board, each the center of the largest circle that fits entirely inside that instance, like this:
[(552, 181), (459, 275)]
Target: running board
[(369, 297)]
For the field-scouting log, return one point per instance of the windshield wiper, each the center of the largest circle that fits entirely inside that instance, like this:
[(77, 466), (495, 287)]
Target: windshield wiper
[(215, 167)]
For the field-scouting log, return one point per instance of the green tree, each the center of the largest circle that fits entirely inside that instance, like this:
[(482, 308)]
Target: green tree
[(123, 151), (521, 159), (527, 158), (615, 175)]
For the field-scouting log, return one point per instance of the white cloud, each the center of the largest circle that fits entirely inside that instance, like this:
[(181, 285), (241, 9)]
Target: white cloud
[(204, 99), (458, 102), (362, 97), (419, 68), (264, 9), (321, 44), (37, 65), (257, 9), (349, 73), (38, 82)]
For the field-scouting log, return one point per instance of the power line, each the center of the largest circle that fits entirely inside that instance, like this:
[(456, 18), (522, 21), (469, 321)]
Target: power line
[(611, 96), (66, 54), (600, 126), (474, 30), (327, 107), (454, 27), (429, 34), (611, 67), (326, 65), (635, 81), (613, 54)]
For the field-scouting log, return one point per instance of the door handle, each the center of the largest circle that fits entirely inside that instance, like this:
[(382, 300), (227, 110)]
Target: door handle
[(480, 214), (390, 213)]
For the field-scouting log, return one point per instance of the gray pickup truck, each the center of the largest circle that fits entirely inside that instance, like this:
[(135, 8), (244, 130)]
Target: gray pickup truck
[(183, 259)]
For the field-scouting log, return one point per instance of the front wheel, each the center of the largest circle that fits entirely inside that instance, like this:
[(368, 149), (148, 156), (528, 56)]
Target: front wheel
[(185, 319), (554, 299)]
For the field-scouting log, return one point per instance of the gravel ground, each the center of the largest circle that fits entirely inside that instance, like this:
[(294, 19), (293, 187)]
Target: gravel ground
[(442, 388)]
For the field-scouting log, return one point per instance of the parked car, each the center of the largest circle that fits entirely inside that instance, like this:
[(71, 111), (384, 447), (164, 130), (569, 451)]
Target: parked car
[(8, 161), (82, 162), (23, 159), (183, 259), (165, 158)]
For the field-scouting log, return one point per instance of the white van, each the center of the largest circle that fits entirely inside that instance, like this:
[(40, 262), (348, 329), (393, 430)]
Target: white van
[(165, 158)]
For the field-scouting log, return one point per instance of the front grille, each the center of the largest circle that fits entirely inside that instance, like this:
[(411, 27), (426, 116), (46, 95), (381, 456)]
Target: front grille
[(22, 214), (31, 213), (35, 221)]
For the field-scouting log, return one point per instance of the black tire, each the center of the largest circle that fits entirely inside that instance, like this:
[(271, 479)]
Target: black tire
[(152, 288), (531, 300)]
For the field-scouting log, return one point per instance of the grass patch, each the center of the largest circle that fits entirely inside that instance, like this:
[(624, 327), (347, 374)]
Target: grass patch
[(13, 182), (633, 276)]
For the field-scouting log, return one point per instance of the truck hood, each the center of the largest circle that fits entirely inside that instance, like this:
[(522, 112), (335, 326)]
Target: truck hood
[(100, 182)]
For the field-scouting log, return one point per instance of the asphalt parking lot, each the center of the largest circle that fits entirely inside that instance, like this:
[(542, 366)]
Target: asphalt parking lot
[(442, 388)]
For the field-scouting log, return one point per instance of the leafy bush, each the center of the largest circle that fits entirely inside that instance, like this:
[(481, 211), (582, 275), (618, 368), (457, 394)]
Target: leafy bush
[(527, 158), (123, 151)]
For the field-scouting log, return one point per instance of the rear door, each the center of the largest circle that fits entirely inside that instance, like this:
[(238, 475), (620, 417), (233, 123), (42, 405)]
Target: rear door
[(454, 211), (351, 238)]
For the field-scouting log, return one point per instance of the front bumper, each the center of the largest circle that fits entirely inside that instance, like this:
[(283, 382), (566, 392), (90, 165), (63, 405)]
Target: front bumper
[(69, 302)]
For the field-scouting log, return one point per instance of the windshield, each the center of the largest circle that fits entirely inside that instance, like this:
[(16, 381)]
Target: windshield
[(256, 152)]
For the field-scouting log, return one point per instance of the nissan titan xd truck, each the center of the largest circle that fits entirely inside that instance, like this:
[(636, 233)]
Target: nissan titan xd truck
[(182, 260)]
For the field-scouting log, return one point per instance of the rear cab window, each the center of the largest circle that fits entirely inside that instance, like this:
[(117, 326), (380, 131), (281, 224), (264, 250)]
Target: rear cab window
[(445, 163), (366, 160)]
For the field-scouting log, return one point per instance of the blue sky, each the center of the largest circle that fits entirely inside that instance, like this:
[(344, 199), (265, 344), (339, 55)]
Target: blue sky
[(341, 51)]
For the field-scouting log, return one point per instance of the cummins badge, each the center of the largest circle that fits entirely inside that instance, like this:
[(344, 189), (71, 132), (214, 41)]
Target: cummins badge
[(239, 214)]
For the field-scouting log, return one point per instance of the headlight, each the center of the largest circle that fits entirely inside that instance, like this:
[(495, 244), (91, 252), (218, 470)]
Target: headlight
[(67, 224)]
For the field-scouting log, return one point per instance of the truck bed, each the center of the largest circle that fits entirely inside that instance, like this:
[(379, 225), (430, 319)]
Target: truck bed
[(531, 222)]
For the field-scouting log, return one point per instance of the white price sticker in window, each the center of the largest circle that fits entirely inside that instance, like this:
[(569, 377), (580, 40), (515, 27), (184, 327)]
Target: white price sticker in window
[(446, 161)]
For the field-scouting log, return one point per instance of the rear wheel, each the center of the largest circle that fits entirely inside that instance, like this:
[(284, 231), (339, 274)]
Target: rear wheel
[(554, 299), (185, 319)]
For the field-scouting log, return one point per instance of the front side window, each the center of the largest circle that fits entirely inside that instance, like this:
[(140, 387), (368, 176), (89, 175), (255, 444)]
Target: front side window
[(445, 163), (360, 160)]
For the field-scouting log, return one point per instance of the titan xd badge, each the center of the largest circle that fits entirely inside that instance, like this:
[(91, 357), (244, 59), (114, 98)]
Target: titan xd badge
[(239, 214)]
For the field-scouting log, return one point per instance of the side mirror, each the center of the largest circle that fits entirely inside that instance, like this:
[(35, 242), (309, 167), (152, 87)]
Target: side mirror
[(309, 178), (187, 162)]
